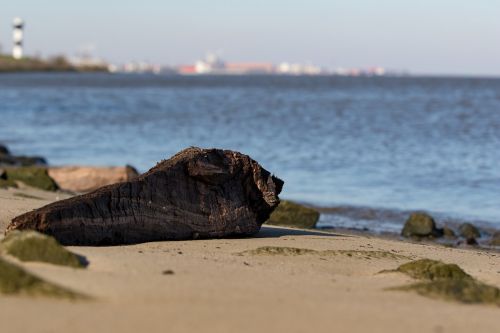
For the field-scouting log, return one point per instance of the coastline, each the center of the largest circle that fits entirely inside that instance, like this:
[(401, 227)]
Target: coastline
[(216, 286)]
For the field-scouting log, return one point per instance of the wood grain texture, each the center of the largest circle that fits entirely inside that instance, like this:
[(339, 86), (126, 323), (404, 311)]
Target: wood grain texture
[(198, 193)]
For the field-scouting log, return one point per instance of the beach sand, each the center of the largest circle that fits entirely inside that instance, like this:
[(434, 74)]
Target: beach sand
[(216, 288)]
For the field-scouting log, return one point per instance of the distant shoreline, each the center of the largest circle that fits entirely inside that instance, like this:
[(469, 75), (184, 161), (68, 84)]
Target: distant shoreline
[(35, 65)]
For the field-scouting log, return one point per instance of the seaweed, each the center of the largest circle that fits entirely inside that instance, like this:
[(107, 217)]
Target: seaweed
[(293, 251)]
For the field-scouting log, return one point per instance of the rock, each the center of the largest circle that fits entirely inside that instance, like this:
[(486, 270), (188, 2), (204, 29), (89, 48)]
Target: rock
[(449, 233), (291, 214), (420, 225), (495, 239), (14, 280), (468, 231), (37, 177), (34, 246), (4, 150), (86, 178), (198, 193), (10, 160), (471, 241)]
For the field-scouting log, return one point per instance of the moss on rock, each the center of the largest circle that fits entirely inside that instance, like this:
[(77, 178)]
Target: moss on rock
[(14, 280), (447, 281), (291, 214), (426, 269), (6, 183), (34, 246), (37, 177)]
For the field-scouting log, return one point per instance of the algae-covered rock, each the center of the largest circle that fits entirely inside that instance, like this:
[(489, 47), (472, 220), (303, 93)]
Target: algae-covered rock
[(449, 233), (34, 246), (495, 239), (291, 214), (14, 280), (426, 269), (37, 177), (468, 231), (447, 281), (420, 225)]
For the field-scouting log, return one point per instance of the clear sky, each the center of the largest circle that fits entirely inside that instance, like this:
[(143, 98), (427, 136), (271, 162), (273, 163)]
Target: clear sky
[(424, 36)]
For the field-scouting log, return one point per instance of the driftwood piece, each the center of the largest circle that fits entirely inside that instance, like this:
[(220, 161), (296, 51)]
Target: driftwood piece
[(198, 193)]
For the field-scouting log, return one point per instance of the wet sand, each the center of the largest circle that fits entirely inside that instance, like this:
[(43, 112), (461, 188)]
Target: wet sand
[(217, 288)]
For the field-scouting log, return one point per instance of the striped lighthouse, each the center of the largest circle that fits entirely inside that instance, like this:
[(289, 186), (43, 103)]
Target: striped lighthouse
[(17, 38)]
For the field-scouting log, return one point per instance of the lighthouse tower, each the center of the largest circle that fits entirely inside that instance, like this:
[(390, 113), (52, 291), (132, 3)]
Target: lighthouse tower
[(17, 38)]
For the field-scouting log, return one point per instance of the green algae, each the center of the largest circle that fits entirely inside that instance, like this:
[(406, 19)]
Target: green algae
[(26, 196), (448, 282), (464, 291), (293, 251), (16, 281), (426, 269), (291, 214), (278, 250), (6, 183), (34, 246), (37, 177)]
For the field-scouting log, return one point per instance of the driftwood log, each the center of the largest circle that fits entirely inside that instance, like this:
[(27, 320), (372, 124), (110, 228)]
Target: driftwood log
[(198, 193)]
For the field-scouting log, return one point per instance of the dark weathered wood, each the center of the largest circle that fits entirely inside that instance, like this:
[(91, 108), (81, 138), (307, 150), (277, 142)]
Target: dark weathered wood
[(198, 193)]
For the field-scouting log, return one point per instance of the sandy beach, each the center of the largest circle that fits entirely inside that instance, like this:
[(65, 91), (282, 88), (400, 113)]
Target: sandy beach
[(220, 286)]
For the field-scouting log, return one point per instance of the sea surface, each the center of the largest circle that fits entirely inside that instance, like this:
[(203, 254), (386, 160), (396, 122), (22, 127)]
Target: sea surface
[(369, 150)]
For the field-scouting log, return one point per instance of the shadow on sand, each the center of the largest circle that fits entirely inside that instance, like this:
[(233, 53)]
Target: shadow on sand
[(276, 232)]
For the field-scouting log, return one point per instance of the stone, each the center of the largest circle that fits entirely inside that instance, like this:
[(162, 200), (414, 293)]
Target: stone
[(495, 239), (34, 246), (87, 178), (291, 214), (421, 225), (471, 241), (198, 193), (468, 231), (449, 233), (10, 160), (4, 150)]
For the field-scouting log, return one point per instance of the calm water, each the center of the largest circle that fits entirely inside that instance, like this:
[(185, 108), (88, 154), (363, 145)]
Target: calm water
[(395, 143)]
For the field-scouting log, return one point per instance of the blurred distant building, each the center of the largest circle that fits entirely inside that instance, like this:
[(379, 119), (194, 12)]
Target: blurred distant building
[(298, 69), (17, 38)]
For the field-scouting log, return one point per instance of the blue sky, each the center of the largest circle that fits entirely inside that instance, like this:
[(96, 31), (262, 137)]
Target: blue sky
[(425, 37)]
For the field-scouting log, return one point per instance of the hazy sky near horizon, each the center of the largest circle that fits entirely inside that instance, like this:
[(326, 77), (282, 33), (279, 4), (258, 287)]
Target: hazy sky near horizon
[(424, 37)]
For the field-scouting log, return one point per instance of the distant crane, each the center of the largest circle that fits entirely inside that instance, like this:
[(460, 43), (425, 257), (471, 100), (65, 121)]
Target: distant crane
[(17, 38)]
